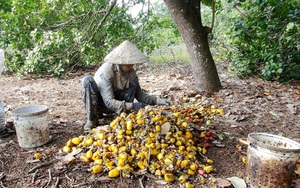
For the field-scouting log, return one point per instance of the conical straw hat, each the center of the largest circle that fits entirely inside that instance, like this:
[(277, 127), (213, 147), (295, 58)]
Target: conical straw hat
[(126, 53)]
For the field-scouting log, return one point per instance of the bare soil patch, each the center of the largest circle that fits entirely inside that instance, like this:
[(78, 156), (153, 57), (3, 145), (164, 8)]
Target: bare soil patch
[(250, 105)]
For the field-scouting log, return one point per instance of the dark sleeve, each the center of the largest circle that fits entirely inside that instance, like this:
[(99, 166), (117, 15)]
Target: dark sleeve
[(143, 97)]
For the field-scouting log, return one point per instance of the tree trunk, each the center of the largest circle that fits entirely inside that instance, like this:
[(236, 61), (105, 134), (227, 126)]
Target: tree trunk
[(187, 17)]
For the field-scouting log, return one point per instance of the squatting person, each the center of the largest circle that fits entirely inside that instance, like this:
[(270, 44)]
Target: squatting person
[(115, 85)]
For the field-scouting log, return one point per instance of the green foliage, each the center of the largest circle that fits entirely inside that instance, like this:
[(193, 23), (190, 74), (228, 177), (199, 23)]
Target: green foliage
[(267, 39), (5, 5), (164, 37), (207, 2), (174, 54), (218, 39), (165, 32), (53, 36), (159, 29)]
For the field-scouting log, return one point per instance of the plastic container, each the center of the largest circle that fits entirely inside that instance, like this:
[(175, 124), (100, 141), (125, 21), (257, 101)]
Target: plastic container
[(2, 67), (271, 160), (31, 124), (2, 116)]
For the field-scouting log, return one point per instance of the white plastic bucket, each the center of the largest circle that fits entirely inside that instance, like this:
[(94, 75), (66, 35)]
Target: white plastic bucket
[(31, 124), (2, 67), (271, 160)]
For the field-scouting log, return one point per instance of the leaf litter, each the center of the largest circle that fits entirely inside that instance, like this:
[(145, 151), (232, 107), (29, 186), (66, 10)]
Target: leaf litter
[(251, 105)]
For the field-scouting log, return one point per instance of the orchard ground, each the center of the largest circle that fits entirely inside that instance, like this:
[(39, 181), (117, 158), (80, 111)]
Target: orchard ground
[(250, 105)]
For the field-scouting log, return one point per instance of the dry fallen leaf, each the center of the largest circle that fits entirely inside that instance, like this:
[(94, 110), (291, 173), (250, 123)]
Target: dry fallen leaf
[(165, 128), (139, 172), (292, 108), (237, 182), (223, 183), (69, 158), (161, 182), (151, 176), (104, 179), (99, 128)]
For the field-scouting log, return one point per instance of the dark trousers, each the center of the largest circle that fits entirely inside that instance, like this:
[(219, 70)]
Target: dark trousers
[(93, 102), (92, 99)]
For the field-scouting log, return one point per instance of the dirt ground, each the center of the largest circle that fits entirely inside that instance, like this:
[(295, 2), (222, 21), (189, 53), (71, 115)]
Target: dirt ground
[(250, 105)]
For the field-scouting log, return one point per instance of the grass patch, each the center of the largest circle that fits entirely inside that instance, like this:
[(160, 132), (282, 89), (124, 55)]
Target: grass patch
[(170, 54)]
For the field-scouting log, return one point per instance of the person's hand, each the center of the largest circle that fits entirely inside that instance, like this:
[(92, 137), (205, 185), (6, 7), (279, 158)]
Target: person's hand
[(165, 102), (138, 105)]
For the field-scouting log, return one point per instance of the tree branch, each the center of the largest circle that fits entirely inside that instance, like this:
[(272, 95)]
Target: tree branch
[(213, 14), (88, 28), (103, 19), (240, 11)]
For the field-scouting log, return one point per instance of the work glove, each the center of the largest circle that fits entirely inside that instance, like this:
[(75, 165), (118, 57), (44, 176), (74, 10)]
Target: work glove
[(165, 102), (138, 105)]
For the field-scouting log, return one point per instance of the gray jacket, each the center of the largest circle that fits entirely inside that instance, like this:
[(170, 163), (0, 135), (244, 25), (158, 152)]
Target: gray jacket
[(110, 79)]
